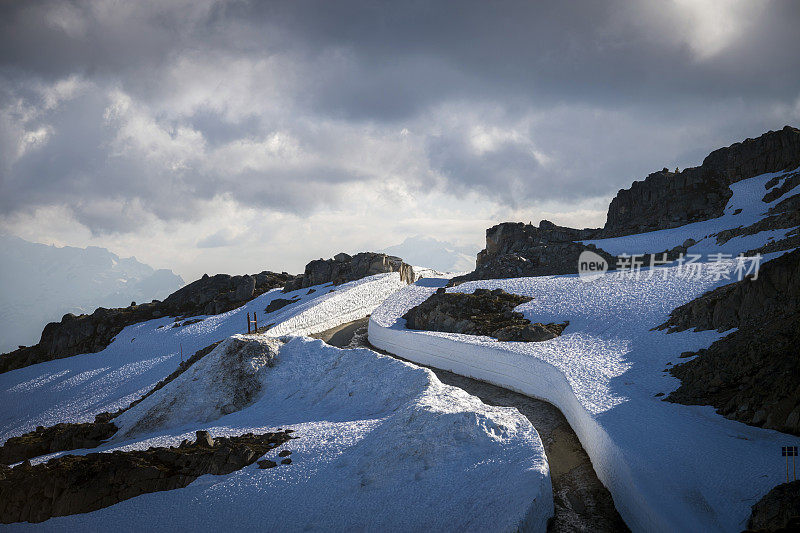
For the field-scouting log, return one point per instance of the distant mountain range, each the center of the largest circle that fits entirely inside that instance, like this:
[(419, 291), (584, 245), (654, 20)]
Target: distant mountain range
[(429, 252), (40, 283)]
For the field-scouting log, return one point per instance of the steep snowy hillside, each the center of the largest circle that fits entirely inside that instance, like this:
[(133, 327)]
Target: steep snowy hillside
[(40, 283)]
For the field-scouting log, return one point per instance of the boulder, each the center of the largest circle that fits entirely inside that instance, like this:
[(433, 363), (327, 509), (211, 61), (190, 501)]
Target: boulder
[(344, 268), (204, 438), (484, 312)]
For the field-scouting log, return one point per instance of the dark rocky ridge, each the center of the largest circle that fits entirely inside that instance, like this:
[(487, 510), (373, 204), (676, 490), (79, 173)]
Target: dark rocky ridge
[(778, 510), (514, 249), (484, 312), (55, 439), (753, 374), (343, 268), (78, 484), (668, 199), (92, 333)]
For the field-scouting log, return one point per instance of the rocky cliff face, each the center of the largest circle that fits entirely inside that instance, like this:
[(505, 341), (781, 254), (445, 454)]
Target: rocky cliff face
[(92, 333), (343, 268), (663, 200), (667, 199), (753, 374), (514, 249)]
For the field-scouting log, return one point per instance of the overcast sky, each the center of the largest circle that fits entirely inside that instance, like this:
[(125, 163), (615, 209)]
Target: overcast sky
[(237, 136)]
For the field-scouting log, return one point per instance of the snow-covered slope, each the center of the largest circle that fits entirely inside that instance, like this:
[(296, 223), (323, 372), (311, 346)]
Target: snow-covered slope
[(383, 446), (669, 467), (76, 388), (348, 302), (40, 283), (222, 382)]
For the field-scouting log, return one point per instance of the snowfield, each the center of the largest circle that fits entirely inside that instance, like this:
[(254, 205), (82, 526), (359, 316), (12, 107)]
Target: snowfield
[(76, 388), (383, 444), (348, 302)]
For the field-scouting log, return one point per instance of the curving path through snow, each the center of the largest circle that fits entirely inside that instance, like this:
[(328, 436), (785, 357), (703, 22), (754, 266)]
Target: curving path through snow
[(580, 501), (669, 467)]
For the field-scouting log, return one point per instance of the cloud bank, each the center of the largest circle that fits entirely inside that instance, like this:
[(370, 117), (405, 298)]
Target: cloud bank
[(188, 133)]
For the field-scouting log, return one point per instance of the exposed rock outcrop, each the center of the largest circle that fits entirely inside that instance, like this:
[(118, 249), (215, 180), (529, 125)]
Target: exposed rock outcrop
[(343, 268), (753, 374), (775, 191), (55, 439), (514, 249), (279, 303), (92, 333), (484, 312), (667, 199), (212, 295), (78, 484), (778, 510), (785, 214)]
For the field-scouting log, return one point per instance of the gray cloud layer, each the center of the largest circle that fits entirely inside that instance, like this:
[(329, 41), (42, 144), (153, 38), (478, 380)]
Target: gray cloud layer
[(121, 111)]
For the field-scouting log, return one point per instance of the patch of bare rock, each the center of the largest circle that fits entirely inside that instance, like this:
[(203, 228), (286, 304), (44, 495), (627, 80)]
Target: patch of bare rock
[(753, 374), (74, 484), (279, 303), (484, 312), (343, 268), (53, 439), (778, 510)]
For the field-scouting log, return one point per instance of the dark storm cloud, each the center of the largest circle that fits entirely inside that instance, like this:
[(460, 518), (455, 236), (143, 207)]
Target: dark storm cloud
[(595, 93)]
